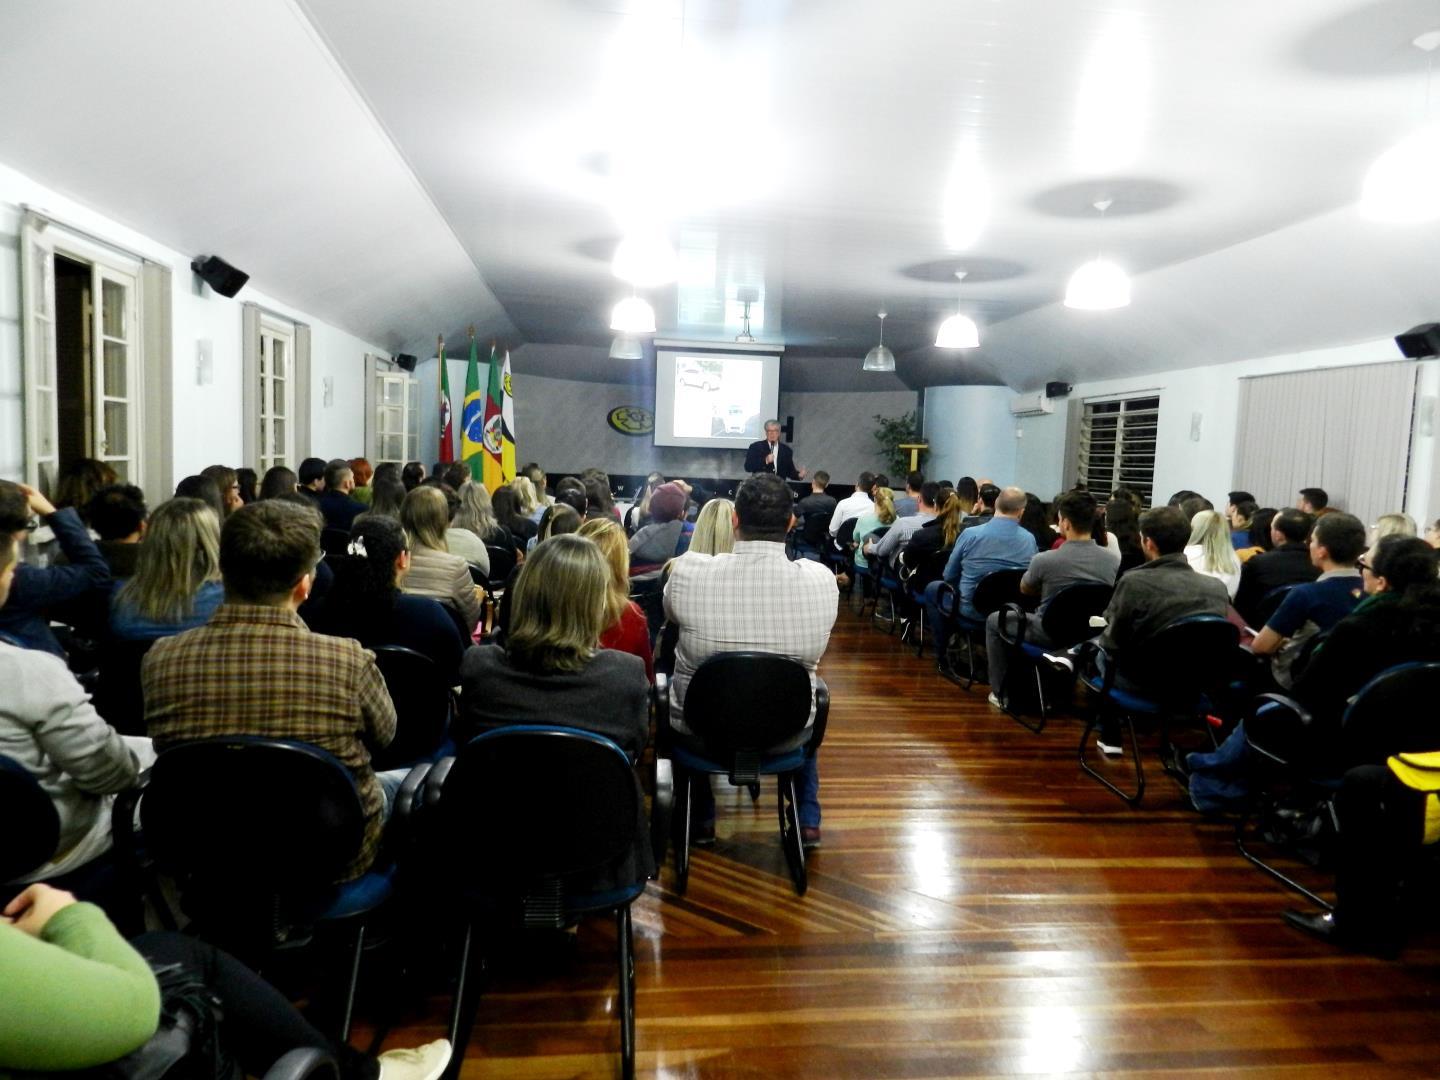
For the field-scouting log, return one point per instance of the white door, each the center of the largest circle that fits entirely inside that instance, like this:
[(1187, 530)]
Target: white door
[(37, 264), (116, 413)]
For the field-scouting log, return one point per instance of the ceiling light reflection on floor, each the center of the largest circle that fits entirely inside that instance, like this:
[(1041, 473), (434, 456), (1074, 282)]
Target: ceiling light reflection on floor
[(1054, 1041), (928, 853)]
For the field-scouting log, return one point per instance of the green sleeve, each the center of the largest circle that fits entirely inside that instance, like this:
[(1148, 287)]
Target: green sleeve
[(79, 996)]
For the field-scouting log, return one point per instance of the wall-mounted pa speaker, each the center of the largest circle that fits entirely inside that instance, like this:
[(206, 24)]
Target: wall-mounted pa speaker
[(1057, 389), (404, 361), (1420, 341), (219, 275)]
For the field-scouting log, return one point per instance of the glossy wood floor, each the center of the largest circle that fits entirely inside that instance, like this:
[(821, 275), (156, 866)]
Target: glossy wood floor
[(978, 908)]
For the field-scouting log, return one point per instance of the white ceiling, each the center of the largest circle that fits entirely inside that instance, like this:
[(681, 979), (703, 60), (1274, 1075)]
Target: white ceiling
[(406, 169)]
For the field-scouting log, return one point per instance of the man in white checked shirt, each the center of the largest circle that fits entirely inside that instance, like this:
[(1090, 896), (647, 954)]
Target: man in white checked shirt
[(755, 598)]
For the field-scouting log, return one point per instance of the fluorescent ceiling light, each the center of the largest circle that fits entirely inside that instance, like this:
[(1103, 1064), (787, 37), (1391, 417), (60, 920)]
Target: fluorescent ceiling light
[(633, 316), (1098, 285)]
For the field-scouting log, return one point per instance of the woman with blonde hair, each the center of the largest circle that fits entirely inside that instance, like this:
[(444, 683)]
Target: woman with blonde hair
[(477, 514), (1211, 551), (526, 501), (466, 542), (176, 584), (626, 629), (1393, 525), (434, 571), (714, 529), (880, 514)]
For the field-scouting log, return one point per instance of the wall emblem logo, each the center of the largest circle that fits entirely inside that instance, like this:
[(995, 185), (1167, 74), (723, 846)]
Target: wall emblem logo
[(632, 420)]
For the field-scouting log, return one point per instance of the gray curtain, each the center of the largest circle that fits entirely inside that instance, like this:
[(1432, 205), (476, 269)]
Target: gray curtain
[(156, 298), (1346, 430), (250, 383)]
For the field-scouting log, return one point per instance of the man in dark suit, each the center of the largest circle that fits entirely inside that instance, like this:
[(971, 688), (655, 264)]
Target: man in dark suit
[(1287, 564), (771, 455)]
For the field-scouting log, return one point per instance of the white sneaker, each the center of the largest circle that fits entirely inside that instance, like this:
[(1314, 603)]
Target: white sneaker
[(416, 1063), (1109, 749), (995, 700), (1060, 662)]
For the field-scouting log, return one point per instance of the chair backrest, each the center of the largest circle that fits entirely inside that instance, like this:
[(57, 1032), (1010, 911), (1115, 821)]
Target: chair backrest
[(525, 803), (815, 530), (422, 705), (267, 815), (31, 825), (845, 535), (1185, 658), (996, 589), (333, 541), (1270, 603), (119, 697), (1066, 620), (1393, 713), (748, 701), (502, 561)]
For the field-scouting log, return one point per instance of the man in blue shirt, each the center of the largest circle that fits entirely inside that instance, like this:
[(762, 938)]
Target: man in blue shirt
[(999, 544)]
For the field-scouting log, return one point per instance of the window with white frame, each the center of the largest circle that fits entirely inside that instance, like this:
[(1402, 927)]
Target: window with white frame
[(275, 394), (1117, 446), (396, 416)]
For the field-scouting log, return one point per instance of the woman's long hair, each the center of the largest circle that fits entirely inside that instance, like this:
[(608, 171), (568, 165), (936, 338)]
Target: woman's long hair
[(558, 606), (476, 512), (1122, 520), (558, 520), (527, 502), (884, 501), (426, 516), (387, 495), (950, 516), (714, 532), (609, 537), (181, 552), (366, 584), (1210, 530), (278, 480)]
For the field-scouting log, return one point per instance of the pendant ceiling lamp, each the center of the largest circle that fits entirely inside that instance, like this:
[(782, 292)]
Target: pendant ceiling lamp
[(1401, 187), (633, 316), (1098, 285), (627, 347), (879, 358), (959, 330)]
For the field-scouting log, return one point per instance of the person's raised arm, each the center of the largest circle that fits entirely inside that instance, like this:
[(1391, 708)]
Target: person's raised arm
[(87, 569)]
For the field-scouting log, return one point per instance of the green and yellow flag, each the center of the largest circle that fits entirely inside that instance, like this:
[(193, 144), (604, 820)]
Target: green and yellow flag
[(472, 417), (507, 426), (493, 473)]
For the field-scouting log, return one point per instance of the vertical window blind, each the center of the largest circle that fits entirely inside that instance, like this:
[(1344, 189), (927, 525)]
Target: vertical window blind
[(1117, 446)]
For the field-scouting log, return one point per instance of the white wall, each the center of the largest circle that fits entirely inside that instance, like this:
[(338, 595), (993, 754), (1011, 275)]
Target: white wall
[(971, 433), (206, 420)]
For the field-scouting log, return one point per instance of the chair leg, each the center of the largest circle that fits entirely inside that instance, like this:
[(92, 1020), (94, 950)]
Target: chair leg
[(348, 1010), (790, 838), (1133, 798), (969, 659), (625, 947), (1039, 725), (1242, 827), (458, 1006), (754, 789), (683, 799)]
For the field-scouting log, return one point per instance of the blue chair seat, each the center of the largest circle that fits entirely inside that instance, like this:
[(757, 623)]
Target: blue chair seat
[(789, 761), (1133, 702), (365, 893)]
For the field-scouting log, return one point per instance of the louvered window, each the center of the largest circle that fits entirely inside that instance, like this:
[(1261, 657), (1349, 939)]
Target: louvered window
[(1117, 446)]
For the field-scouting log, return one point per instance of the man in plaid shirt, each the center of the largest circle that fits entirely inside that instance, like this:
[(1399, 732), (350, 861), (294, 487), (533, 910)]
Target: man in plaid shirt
[(757, 599), (256, 669)]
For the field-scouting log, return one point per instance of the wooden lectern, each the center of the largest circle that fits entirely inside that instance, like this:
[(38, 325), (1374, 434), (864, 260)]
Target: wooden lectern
[(915, 448)]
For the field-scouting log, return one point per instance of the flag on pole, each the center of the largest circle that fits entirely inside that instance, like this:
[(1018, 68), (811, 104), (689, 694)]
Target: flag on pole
[(507, 425), (472, 416), (493, 474), (447, 430)]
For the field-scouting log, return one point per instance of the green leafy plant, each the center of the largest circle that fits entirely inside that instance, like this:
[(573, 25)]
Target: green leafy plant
[(890, 433)]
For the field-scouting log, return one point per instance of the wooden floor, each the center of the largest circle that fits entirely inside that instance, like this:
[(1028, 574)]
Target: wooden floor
[(978, 908)]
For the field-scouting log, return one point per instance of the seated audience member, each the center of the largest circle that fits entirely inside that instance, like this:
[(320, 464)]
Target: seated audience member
[(599, 502), (527, 502), (626, 628), (557, 520), (335, 503), (1122, 532), (434, 571), (477, 516), (714, 529), (754, 598), (25, 620), (49, 727), (854, 504), (985, 497), (537, 477), (1035, 520), (1432, 534), (312, 477), (909, 503), (1385, 525), (387, 494), (1259, 539), (1287, 562), (968, 492), (1315, 502), (552, 670), (1239, 518), (412, 474), (78, 482), (1195, 504), (880, 514), (906, 527), (571, 491), (999, 544), (1079, 560), (659, 542), (507, 513), (936, 536), (1398, 621), (205, 489), (278, 480), (1180, 497), (367, 601), (817, 502), (118, 515), (227, 481), (638, 516), (1211, 551), (176, 584), (363, 472), (1336, 542), (265, 673), (462, 541), (452, 474), (80, 998), (249, 484)]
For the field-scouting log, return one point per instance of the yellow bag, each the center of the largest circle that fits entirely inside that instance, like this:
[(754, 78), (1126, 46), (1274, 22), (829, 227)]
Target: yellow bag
[(1421, 772)]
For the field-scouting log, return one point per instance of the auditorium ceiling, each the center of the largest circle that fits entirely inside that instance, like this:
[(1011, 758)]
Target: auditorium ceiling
[(403, 170)]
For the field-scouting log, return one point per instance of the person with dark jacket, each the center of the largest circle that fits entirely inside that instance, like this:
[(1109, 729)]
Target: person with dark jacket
[(25, 618), (335, 503), (1286, 563), (659, 542)]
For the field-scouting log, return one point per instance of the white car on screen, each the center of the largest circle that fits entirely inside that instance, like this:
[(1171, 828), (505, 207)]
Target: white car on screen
[(734, 420), (693, 376)]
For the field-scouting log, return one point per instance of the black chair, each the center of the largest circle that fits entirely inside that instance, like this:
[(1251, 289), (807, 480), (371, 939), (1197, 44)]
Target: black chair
[(424, 707), (570, 802), (992, 592), (1268, 604), (867, 577), (648, 591), (1173, 673), (811, 538), (1392, 714), (118, 694), (502, 561), (306, 1063), (1064, 622), (32, 825), (255, 833), (739, 705), (334, 542), (913, 579)]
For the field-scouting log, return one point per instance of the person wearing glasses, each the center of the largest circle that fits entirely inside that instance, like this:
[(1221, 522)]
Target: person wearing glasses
[(41, 591)]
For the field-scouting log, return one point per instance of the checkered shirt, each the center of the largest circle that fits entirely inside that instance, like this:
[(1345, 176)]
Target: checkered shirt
[(755, 598), (258, 670)]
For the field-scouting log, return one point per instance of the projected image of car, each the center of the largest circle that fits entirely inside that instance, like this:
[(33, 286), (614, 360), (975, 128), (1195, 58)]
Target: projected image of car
[(735, 418), (695, 375)]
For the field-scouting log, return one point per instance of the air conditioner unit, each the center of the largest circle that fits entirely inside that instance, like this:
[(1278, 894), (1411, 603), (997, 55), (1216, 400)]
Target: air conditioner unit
[(1034, 404)]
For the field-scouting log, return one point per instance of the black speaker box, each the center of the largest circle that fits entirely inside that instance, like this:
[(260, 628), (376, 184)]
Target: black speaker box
[(1420, 341), (1057, 389), (405, 362), (219, 275)]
